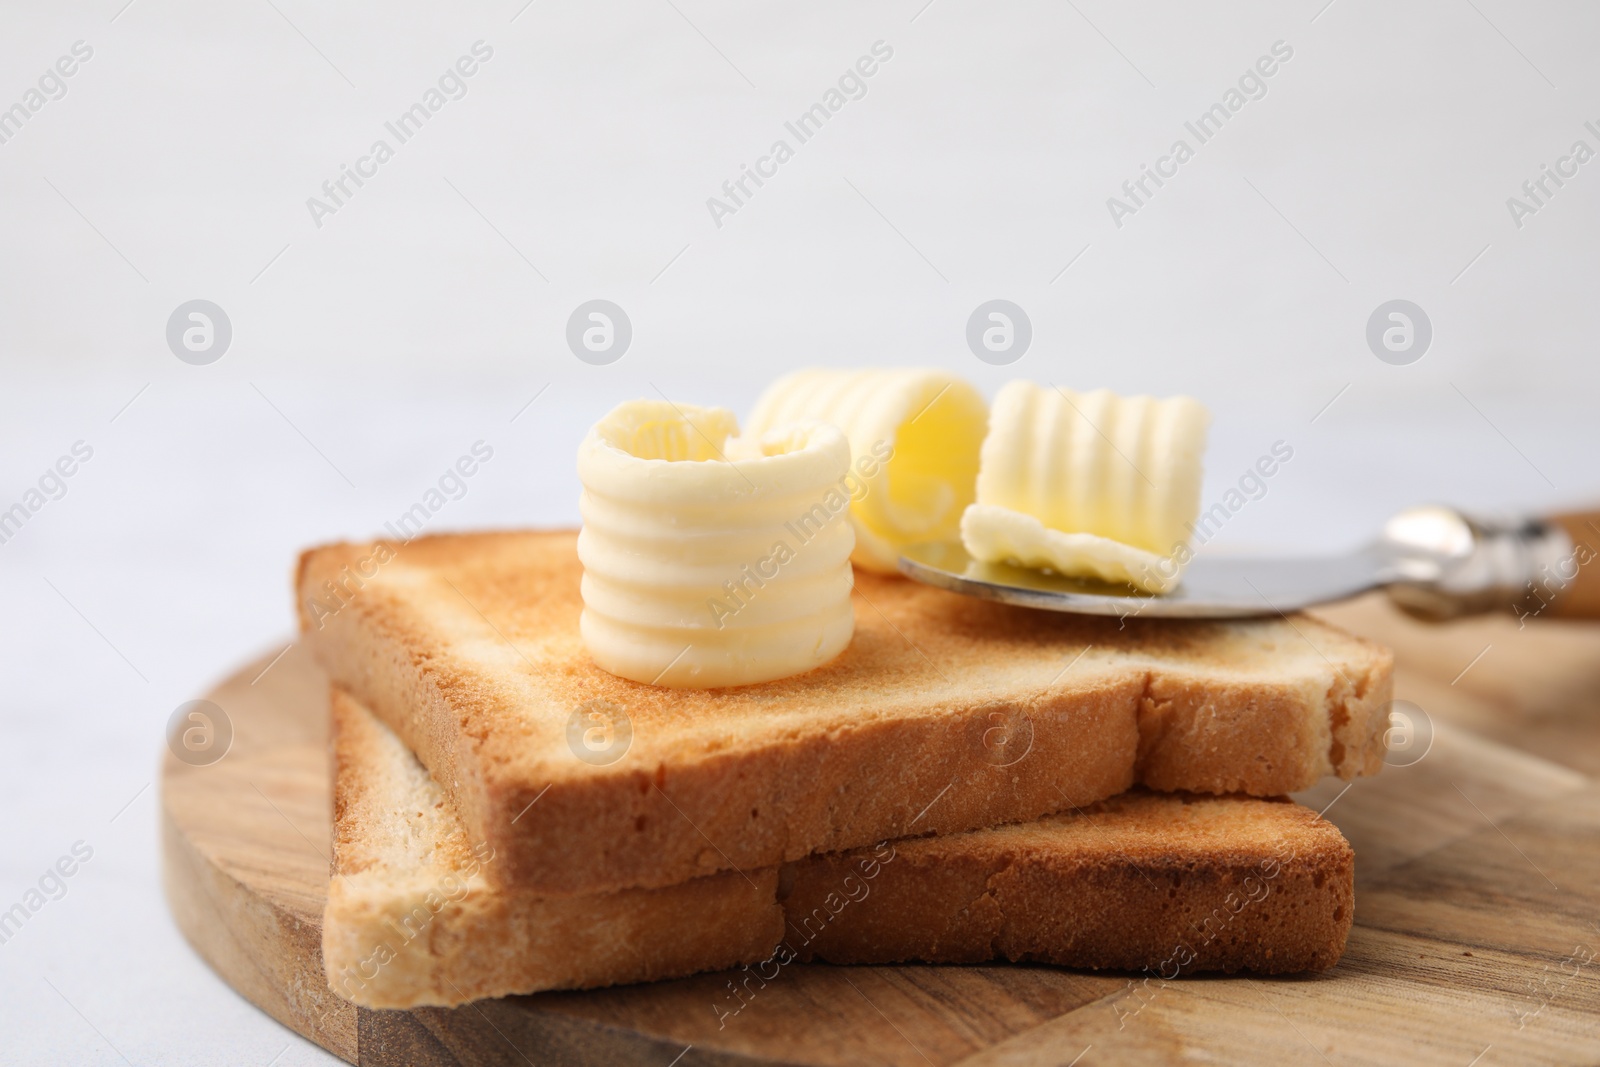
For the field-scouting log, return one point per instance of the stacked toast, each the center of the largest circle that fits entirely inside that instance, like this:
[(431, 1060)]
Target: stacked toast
[(967, 781)]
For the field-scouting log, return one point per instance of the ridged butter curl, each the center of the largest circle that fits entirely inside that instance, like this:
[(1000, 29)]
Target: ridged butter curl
[(914, 439), (1090, 484), (712, 559)]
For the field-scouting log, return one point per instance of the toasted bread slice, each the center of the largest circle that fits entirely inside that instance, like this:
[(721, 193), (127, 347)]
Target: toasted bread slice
[(946, 713), (1165, 883), (411, 918)]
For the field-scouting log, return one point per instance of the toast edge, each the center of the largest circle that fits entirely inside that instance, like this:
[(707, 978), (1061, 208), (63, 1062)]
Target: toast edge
[(1271, 908), (445, 937)]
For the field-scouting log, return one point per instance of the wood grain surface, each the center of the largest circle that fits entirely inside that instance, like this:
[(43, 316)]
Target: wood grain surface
[(1477, 936)]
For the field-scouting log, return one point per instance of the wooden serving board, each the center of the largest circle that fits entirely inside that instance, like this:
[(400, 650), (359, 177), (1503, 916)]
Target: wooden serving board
[(1477, 909)]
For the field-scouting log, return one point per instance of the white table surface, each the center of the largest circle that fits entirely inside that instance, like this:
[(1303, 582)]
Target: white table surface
[(368, 353)]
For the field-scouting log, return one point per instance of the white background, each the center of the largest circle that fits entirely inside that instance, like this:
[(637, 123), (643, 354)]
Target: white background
[(371, 352)]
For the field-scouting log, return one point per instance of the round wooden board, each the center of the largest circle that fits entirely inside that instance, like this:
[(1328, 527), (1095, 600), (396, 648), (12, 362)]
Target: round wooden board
[(1459, 940)]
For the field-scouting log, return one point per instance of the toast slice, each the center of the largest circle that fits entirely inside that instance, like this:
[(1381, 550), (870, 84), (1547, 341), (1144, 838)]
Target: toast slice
[(1165, 883), (411, 918), (945, 714)]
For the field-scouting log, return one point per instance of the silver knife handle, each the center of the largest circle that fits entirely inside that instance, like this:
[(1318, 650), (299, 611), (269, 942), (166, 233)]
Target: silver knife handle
[(1443, 564)]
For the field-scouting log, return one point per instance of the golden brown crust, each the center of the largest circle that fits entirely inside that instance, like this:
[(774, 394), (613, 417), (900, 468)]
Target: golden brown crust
[(1169, 883), (945, 714)]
